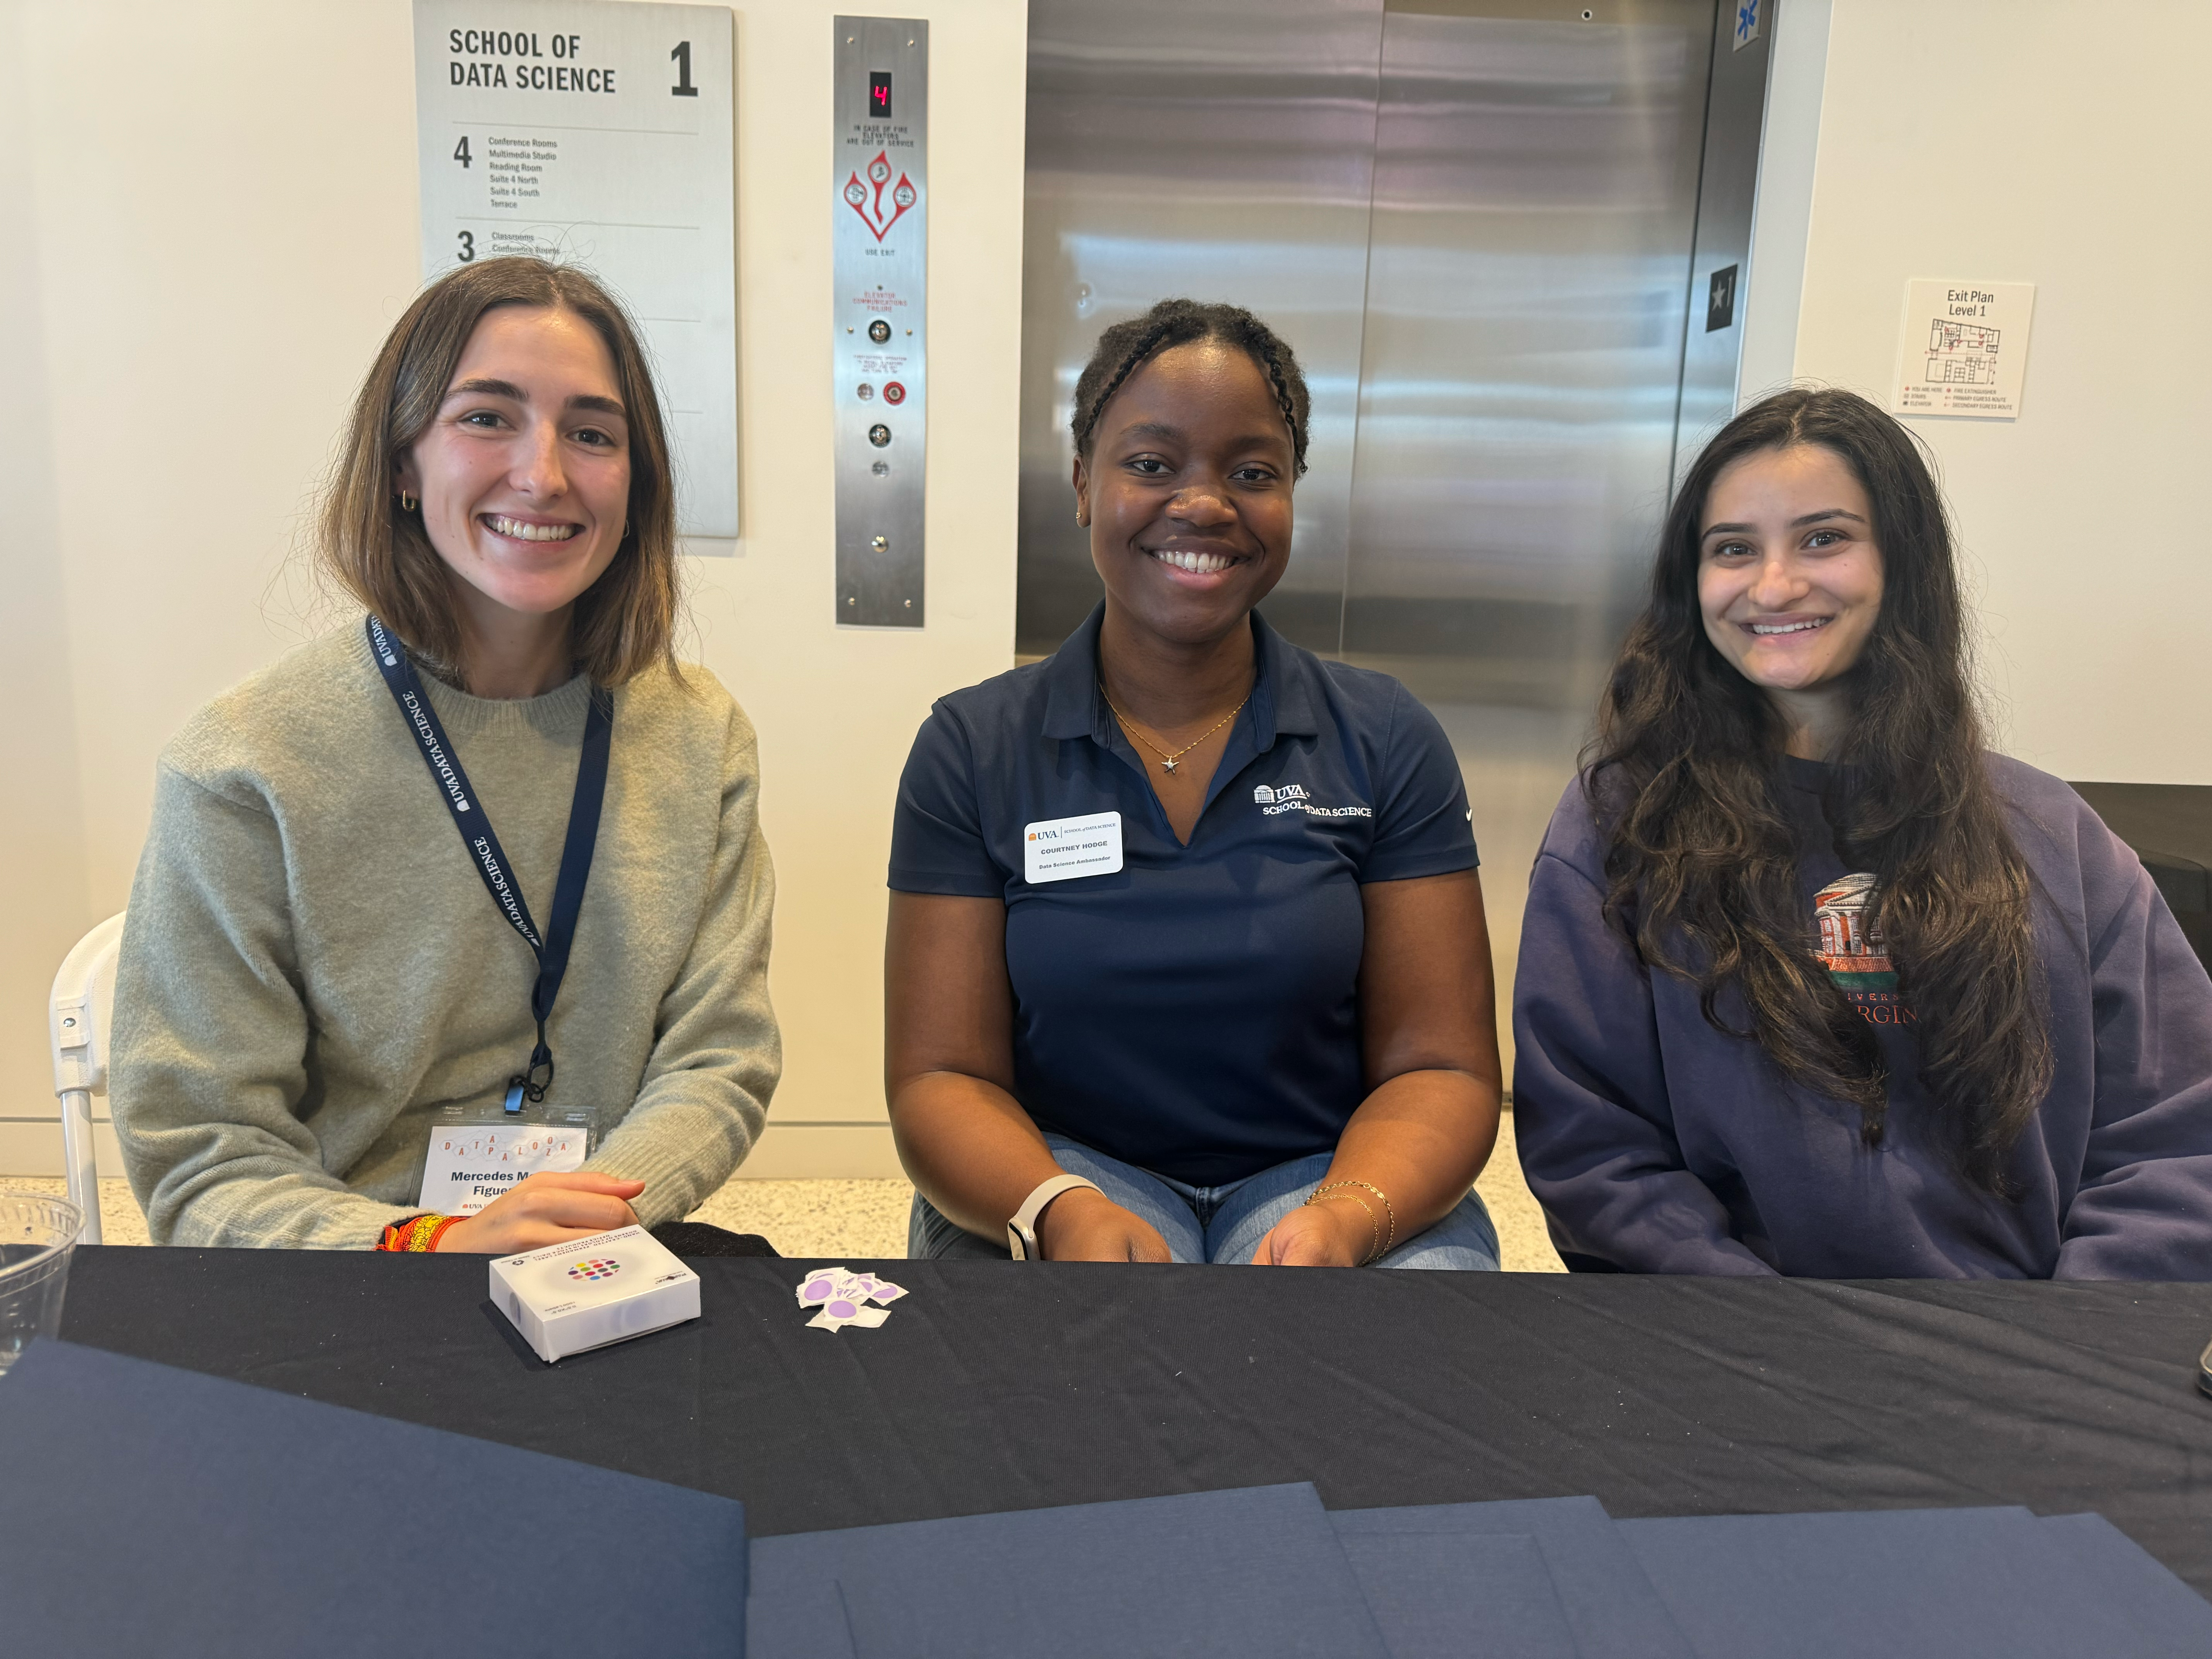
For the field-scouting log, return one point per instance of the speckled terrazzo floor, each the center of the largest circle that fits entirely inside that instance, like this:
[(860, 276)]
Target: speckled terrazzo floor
[(119, 1219), (867, 1220), (1523, 1244)]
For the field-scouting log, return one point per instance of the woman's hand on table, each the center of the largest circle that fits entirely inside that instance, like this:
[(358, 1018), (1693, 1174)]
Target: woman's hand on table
[(1082, 1225), (546, 1208), (1333, 1233)]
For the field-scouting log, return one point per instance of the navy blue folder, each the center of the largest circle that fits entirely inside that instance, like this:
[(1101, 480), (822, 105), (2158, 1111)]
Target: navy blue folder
[(1607, 1602), (1447, 1594), (1897, 1584), (795, 1609), (2155, 1606), (148, 1509), (1254, 1571)]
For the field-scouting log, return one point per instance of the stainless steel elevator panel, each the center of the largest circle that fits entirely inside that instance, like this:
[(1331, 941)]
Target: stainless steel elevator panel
[(1736, 108), (1535, 195), (1212, 149), (880, 207)]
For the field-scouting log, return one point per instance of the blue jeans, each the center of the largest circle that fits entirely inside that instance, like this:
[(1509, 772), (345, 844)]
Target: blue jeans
[(1216, 1224)]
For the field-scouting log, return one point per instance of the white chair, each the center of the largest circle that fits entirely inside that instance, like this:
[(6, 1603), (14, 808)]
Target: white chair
[(80, 1018)]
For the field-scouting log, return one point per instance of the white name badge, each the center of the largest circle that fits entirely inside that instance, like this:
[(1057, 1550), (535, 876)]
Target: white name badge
[(472, 1163), (1060, 849)]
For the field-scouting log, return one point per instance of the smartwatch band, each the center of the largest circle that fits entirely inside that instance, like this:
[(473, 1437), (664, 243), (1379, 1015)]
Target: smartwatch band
[(1021, 1231)]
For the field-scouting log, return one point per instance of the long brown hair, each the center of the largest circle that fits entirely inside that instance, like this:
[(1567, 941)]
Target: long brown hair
[(1702, 860), (625, 622)]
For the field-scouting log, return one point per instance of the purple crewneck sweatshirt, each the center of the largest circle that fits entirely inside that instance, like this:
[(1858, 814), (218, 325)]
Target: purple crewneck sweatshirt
[(1656, 1144)]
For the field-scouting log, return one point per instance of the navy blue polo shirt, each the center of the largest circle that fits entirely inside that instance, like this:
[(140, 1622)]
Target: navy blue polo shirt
[(1196, 1013)]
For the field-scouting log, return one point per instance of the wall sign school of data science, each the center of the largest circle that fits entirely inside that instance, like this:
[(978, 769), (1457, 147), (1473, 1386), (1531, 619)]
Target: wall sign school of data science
[(475, 54)]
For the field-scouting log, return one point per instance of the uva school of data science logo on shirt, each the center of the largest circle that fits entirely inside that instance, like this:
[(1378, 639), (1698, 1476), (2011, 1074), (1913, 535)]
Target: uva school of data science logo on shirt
[(1853, 952), (595, 1267), (1291, 798)]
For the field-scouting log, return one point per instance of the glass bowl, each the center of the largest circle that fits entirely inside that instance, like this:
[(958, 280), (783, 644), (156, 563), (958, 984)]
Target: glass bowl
[(37, 1237)]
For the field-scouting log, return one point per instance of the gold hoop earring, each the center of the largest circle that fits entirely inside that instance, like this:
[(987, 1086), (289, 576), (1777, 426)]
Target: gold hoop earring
[(407, 503)]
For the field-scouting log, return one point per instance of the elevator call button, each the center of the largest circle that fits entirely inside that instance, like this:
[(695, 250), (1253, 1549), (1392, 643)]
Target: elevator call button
[(879, 331), (879, 435), (894, 393)]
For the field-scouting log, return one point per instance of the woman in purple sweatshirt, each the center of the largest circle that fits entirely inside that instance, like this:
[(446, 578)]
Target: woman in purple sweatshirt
[(1810, 981)]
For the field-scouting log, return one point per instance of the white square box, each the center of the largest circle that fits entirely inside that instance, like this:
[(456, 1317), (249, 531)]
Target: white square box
[(591, 1291)]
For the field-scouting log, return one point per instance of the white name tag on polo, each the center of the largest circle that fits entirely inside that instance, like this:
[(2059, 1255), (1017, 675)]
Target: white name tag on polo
[(1060, 849), (472, 1163)]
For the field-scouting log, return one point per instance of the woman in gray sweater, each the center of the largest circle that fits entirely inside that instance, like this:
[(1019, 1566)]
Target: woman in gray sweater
[(323, 987)]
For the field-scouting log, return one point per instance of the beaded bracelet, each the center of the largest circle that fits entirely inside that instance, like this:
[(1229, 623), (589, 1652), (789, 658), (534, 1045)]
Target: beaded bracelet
[(420, 1232), (1375, 1243), (1393, 1237)]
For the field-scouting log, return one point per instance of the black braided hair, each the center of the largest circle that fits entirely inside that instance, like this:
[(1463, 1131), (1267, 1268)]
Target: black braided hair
[(1127, 346)]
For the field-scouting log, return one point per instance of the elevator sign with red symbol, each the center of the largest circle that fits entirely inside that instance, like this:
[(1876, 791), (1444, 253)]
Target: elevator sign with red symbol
[(879, 208)]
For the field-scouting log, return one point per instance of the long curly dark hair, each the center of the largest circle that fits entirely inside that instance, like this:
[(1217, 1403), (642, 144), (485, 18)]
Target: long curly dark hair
[(1702, 860), (1125, 347)]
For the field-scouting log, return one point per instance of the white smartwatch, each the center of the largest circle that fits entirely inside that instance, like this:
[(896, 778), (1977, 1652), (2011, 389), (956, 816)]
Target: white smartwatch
[(1021, 1231)]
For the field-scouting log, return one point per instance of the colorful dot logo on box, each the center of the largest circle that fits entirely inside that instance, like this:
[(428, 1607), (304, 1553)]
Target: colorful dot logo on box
[(595, 1267)]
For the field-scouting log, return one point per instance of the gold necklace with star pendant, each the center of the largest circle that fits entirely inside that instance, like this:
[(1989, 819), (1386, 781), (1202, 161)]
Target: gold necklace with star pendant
[(1167, 761)]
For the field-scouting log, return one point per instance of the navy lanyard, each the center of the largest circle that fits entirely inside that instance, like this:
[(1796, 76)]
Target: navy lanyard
[(550, 948)]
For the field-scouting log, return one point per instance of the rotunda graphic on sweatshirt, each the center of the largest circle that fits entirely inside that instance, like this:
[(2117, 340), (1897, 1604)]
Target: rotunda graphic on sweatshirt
[(1852, 950)]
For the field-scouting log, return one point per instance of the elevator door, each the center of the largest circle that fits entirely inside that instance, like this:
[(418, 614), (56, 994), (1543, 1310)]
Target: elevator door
[(1534, 202), (1213, 150), (1477, 222)]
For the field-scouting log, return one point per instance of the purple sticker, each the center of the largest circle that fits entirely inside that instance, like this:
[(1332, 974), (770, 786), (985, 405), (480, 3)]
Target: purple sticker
[(815, 1291), (842, 1309)]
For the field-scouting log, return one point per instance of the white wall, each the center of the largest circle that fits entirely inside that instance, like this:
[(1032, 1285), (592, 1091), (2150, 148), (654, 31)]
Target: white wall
[(2049, 141), (44, 899), (1782, 211), (211, 216)]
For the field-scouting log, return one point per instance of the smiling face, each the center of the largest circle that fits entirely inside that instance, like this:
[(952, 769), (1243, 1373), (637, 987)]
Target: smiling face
[(1789, 579), (523, 475), (1186, 491)]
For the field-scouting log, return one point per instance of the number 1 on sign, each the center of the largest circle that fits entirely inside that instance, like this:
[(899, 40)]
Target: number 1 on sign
[(681, 58)]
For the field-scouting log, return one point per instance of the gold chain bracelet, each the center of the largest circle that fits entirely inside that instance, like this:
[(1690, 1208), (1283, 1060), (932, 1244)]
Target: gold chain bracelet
[(1392, 1238), (1375, 1242)]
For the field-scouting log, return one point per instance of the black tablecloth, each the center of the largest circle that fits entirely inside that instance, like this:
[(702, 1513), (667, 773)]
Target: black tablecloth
[(1002, 1386)]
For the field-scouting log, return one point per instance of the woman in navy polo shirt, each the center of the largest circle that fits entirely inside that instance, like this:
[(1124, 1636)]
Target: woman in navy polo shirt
[(1187, 956)]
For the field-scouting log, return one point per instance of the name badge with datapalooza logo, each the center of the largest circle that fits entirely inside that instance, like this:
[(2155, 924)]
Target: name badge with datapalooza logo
[(1061, 849), (477, 1156)]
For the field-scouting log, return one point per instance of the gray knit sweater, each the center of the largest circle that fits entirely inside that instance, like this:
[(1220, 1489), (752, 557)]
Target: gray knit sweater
[(312, 967)]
